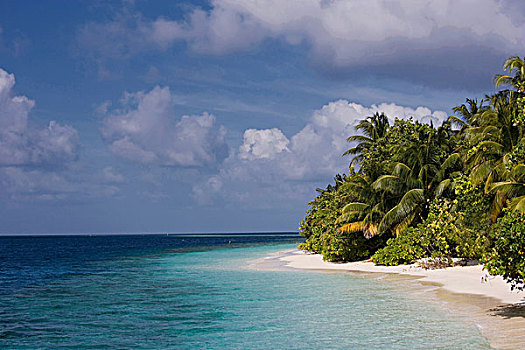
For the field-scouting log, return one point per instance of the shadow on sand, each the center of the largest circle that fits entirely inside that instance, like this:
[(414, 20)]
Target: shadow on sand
[(509, 311)]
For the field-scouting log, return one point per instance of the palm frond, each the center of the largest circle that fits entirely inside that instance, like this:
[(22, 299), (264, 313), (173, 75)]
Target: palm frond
[(455, 121), (497, 205), (403, 225), (359, 138), (480, 172), (401, 170), (355, 207), (370, 231), (518, 204), (502, 79), (518, 173), (490, 146), (444, 186), (345, 217), (352, 227), (389, 183), (508, 188), (406, 206), (411, 199)]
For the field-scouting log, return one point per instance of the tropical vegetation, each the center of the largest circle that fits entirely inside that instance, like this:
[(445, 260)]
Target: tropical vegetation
[(417, 190)]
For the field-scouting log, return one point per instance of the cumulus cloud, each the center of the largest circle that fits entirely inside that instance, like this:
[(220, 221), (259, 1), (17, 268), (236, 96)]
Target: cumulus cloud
[(40, 163), (145, 130), (341, 35), (263, 144), (23, 144), (270, 166)]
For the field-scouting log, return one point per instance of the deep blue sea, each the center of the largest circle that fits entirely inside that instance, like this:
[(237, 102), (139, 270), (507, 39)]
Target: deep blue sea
[(196, 292)]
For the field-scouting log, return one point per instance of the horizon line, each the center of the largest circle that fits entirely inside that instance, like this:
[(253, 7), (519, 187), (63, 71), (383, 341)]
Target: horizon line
[(4, 234)]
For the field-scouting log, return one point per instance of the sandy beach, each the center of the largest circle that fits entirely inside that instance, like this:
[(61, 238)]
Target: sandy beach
[(468, 290)]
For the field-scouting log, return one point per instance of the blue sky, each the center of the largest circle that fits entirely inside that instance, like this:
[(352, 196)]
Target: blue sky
[(197, 116)]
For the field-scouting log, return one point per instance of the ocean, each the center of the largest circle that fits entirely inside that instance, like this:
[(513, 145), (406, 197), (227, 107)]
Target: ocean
[(198, 292)]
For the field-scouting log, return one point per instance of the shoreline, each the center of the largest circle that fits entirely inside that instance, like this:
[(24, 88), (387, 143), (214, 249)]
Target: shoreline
[(498, 312), (457, 279)]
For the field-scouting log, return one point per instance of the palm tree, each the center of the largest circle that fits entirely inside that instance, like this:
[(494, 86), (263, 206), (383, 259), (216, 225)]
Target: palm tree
[(493, 139), (514, 65), (496, 135), (415, 191), (364, 214), (513, 188), (468, 114), (395, 201), (409, 194), (373, 129)]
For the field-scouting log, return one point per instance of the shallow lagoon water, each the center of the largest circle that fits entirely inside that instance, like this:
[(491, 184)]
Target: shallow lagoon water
[(187, 292)]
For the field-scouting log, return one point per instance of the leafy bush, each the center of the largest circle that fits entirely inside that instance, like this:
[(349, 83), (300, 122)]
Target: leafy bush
[(320, 228), (313, 241), (507, 257), (339, 247), (401, 250), (472, 204), (441, 236), (347, 247)]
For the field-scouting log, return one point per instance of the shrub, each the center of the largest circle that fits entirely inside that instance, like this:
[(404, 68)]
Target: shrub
[(344, 247), (401, 250), (440, 236), (338, 247), (507, 257), (313, 241)]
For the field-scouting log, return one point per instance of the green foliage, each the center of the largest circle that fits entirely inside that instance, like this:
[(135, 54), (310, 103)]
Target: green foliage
[(324, 209), (401, 250), (432, 238), (517, 156), (340, 247), (472, 205), (441, 236), (320, 228), (313, 242), (344, 247), (507, 257), (425, 191), (520, 118)]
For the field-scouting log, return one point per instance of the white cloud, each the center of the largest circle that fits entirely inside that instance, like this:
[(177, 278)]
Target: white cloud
[(41, 163), (270, 167), (22, 143), (263, 144), (340, 33), (145, 130)]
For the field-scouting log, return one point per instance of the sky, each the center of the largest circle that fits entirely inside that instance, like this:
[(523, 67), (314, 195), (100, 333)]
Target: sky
[(218, 116)]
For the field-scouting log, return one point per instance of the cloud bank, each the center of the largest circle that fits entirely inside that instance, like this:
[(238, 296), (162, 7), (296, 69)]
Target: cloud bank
[(337, 30), (421, 38), (24, 144), (39, 163), (269, 167), (144, 129)]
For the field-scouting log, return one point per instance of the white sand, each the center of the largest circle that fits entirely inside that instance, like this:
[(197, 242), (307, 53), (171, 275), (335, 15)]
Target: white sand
[(458, 279)]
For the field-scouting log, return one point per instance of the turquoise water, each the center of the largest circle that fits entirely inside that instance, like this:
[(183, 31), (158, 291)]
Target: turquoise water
[(204, 297)]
